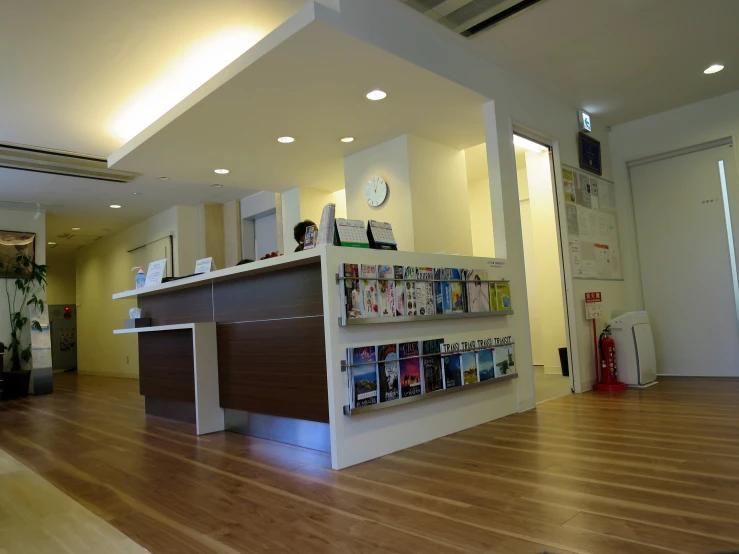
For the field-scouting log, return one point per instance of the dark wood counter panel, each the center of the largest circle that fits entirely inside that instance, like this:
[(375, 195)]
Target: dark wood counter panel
[(270, 338)]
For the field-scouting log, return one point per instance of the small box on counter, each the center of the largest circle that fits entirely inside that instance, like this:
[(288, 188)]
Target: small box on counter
[(137, 323)]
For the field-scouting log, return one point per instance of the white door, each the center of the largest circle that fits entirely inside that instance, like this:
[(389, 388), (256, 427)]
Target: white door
[(687, 260), (265, 235)]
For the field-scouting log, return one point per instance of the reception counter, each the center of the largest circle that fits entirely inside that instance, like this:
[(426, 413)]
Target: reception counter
[(273, 355)]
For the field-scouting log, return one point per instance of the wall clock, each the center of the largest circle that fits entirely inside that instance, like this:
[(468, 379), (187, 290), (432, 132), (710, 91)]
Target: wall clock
[(375, 191)]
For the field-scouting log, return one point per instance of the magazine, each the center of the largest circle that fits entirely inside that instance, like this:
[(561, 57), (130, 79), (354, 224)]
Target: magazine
[(425, 291), (368, 286), (400, 307), (505, 363), (452, 370), (410, 290), (478, 291), (469, 367), (438, 290), (485, 365), (386, 291), (363, 376), (457, 291), (350, 294), (433, 376), (503, 296), (387, 356), (410, 369)]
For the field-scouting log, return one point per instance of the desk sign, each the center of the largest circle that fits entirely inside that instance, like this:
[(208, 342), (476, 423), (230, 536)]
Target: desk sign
[(155, 272), (593, 305), (204, 266)]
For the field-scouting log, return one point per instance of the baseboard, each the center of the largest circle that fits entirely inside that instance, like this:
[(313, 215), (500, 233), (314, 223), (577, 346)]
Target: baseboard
[(117, 374)]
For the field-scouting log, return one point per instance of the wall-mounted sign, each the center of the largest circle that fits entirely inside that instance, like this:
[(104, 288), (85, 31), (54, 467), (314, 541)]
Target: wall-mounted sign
[(589, 150), (583, 118), (593, 305)]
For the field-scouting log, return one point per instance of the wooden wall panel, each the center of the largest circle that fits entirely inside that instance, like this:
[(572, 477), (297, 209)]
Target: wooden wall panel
[(170, 409), (274, 368), (190, 305), (166, 365), (291, 292)]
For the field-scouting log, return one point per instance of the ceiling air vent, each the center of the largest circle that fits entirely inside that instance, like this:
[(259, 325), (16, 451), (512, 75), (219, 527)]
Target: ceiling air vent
[(59, 162), (469, 17)]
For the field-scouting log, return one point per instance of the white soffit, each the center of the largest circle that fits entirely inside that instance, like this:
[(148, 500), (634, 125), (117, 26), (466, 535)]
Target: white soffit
[(307, 80)]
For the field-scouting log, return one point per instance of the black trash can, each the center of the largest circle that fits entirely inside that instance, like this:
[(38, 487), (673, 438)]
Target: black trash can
[(564, 362)]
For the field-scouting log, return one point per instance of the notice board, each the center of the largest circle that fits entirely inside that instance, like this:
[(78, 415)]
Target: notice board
[(592, 225)]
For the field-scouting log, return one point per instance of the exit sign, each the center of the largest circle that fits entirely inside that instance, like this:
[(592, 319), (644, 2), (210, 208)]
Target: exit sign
[(583, 118)]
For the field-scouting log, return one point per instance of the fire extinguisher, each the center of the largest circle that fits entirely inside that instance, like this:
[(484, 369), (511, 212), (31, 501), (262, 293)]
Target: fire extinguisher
[(608, 368)]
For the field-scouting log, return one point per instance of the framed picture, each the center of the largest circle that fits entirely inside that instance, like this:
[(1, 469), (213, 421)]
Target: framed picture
[(12, 245), (589, 150)]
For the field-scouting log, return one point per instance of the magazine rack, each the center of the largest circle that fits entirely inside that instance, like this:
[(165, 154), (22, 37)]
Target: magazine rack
[(349, 411), (408, 318)]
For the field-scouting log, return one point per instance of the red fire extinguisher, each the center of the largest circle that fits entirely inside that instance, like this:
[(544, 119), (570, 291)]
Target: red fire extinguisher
[(608, 369)]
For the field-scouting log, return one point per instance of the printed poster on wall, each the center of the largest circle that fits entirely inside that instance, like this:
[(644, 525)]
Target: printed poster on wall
[(592, 228)]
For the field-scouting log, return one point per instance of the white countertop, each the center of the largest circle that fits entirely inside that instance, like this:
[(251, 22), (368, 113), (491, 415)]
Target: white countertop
[(261, 266)]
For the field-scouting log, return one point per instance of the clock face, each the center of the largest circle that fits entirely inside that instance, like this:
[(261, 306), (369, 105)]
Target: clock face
[(375, 191)]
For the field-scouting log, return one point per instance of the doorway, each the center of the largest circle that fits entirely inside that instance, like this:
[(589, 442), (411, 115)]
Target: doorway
[(683, 202), (543, 262)]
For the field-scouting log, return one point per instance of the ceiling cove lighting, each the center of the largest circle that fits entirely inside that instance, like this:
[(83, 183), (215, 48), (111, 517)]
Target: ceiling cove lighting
[(527, 144), (190, 67), (347, 139), (115, 206), (377, 95), (715, 68), (286, 140), (221, 171)]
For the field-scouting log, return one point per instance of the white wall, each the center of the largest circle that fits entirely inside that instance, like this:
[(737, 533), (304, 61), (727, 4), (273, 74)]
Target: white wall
[(389, 160), (265, 235), (441, 213), (104, 268), (428, 199), (481, 216), (423, 42), (16, 220)]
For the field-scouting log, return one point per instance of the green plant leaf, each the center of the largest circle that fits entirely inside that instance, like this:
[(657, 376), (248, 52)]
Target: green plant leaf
[(36, 326)]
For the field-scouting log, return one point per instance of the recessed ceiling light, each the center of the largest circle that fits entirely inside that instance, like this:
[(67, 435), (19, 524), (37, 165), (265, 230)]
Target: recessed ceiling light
[(51, 243), (286, 140), (75, 228), (217, 185), (115, 206), (347, 139), (715, 68), (221, 171), (376, 95), (163, 178), (135, 193)]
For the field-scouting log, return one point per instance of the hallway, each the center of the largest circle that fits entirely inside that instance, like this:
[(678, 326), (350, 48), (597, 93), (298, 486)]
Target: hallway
[(643, 472)]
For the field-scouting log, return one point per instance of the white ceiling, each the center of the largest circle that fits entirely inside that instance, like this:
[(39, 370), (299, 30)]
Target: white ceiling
[(620, 59), (311, 86), (71, 68)]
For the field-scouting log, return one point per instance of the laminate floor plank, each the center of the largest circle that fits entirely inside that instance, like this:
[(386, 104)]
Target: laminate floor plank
[(644, 472)]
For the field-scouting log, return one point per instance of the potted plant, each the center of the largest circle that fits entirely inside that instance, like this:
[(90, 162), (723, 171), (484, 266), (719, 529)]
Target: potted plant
[(24, 279)]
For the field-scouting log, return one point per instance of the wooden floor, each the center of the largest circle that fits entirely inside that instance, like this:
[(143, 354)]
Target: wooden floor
[(649, 471)]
